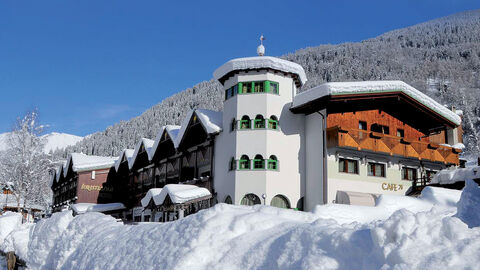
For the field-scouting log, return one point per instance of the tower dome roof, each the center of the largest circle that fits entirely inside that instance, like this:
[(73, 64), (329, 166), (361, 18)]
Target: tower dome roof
[(258, 63)]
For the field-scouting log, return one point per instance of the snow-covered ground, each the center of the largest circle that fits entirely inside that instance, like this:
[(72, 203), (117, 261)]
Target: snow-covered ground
[(54, 141), (399, 233)]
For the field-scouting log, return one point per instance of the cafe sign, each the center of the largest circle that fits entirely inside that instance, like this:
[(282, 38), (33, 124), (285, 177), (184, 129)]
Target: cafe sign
[(392, 187)]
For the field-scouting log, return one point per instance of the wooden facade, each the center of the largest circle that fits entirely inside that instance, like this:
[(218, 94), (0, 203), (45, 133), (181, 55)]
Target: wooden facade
[(191, 162)]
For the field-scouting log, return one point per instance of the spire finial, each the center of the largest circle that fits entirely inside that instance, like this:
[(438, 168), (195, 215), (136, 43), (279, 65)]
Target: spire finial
[(261, 48)]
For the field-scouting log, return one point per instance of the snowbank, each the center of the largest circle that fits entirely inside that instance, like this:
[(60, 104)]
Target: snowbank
[(469, 204), (8, 222), (449, 176), (423, 234)]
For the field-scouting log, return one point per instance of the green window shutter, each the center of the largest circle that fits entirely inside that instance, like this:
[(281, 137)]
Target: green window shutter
[(239, 88), (267, 86)]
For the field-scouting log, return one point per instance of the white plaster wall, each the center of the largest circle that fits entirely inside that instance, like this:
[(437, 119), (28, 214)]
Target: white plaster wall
[(287, 180)]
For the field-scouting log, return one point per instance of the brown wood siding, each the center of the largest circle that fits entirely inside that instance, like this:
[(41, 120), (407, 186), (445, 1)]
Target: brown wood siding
[(351, 119)]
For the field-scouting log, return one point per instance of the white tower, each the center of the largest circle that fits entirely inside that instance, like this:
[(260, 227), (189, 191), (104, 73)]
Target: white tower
[(259, 153)]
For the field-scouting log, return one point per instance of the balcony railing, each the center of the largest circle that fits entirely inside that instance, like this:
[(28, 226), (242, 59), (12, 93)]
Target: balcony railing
[(392, 145)]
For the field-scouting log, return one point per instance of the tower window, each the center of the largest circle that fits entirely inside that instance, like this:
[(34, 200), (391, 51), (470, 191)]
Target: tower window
[(245, 122), (273, 122), (245, 87), (272, 163), (400, 133), (258, 162), (233, 125), (259, 87), (274, 87), (244, 163), (259, 121), (233, 164)]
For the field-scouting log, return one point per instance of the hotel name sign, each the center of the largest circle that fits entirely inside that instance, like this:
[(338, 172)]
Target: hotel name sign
[(96, 188), (392, 187)]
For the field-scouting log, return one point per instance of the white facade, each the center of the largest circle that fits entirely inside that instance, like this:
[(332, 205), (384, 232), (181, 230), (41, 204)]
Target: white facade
[(308, 173)]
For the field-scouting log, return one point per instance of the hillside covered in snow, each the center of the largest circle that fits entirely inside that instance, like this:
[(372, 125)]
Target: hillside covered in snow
[(54, 141), (440, 58), (439, 230)]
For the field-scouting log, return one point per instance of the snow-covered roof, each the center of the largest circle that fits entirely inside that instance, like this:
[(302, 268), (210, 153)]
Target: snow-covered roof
[(128, 154), (172, 132), (154, 194), (9, 200), (370, 87), (210, 120), (261, 62), (81, 162), (148, 144), (179, 193), (81, 208), (449, 176)]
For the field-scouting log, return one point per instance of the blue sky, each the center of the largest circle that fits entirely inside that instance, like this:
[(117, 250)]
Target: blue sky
[(89, 64)]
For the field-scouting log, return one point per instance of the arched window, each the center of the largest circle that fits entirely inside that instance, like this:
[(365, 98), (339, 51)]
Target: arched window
[(300, 204), (259, 121), (245, 122), (273, 122), (280, 201), (233, 164), (233, 125), (228, 200), (244, 163), (250, 199), (258, 162), (272, 163)]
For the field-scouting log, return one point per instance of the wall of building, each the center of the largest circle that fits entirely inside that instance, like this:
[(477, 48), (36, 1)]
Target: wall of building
[(392, 183), (88, 189), (287, 181), (351, 119)]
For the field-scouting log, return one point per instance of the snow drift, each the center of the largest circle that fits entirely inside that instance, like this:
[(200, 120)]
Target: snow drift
[(425, 235)]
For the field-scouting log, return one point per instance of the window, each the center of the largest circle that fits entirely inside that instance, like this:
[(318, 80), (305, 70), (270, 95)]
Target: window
[(272, 163), (233, 125), (245, 87), (362, 125), (233, 164), (409, 174), (244, 163), (273, 122), (258, 87), (274, 87), (376, 169), (245, 122), (250, 199), (280, 201), (380, 129), (228, 200), (400, 133), (258, 162), (259, 121), (348, 166)]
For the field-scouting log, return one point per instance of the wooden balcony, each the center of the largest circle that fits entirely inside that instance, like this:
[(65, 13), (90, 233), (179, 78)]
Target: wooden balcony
[(391, 145)]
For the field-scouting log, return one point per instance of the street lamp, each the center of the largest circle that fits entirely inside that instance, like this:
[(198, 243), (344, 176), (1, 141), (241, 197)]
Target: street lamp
[(264, 197)]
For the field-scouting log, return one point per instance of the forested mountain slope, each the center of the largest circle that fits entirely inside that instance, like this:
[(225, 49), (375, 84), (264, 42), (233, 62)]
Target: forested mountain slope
[(440, 57)]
